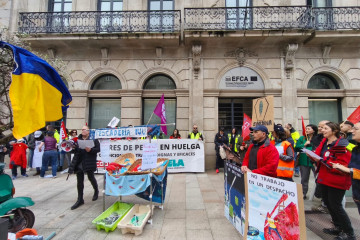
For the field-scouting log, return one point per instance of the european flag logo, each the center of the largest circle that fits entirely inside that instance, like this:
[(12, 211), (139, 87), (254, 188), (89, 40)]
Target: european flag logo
[(37, 92)]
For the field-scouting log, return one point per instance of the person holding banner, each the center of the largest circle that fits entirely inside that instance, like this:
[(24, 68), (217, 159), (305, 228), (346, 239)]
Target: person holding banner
[(354, 166), (83, 162), (261, 156), (333, 183), (195, 134)]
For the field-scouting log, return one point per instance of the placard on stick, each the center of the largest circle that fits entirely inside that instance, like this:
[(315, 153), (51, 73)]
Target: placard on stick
[(263, 112), (149, 157)]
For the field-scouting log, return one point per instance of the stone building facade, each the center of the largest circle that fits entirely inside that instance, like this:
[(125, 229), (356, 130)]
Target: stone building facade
[(209, 58)]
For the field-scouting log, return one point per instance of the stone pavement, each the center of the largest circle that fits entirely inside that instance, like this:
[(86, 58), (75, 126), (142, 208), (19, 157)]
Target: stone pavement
[(193, 209)]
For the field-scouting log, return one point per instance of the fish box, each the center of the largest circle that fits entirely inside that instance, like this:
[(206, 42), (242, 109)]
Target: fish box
[(135, 219), (109, 219)]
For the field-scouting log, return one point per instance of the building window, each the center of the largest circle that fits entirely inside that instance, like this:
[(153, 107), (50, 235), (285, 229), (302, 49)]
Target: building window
[(159, 82), (238, 14), (111, 19), (324, 108), (59, 20), (322, 81), (60, 5), (102, 110), (106, 82), (163, 19), (323, 14)]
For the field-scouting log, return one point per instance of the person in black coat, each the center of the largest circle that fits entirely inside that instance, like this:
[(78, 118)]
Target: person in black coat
[(84, 161), (220, 140)]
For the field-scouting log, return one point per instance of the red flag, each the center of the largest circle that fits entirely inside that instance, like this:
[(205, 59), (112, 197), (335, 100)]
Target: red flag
[(160, 112), (303, 126), (246, 127), (355, 116), (63, 133)]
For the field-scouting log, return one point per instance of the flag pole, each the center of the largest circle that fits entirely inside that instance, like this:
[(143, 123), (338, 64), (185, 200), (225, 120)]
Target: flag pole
[(150, 118)]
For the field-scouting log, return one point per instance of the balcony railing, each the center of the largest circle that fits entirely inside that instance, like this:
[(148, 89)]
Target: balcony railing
[(198, 19), (271, 18), (100, 22)]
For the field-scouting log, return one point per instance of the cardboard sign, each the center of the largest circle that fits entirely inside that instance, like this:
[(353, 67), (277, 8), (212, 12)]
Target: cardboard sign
[(263, 112)]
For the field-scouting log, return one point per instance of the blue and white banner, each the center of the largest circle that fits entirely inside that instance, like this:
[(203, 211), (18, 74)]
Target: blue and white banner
[(121, 132), (185, 155)]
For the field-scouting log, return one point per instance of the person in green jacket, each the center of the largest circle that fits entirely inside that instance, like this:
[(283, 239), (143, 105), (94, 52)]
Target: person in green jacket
[(305, 163)]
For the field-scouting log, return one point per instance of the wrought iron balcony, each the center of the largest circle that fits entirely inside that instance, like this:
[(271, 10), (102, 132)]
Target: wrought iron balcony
[(271, 18), (100, 22)]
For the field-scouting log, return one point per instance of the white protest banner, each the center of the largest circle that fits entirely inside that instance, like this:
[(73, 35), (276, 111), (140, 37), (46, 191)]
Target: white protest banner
[(149, 157), (121, 132), (275, 210), (185, 155), (105, 150)]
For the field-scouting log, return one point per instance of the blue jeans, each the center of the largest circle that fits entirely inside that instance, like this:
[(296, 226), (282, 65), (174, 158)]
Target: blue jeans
[(30, 157), (49, 157)]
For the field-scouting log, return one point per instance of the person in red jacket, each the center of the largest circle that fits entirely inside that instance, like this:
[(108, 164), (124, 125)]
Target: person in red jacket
[(261, 156), (18, 158), (333, 183)]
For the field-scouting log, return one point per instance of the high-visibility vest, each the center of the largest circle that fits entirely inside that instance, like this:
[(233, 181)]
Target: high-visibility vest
[(236, 141), (285, 169), (193, 136), (143, 138), (350, 147), (295, 136)]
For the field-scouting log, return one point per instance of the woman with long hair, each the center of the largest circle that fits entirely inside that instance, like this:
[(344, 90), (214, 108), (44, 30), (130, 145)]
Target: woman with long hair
[(304, 162), (333, 183), (175, 135)]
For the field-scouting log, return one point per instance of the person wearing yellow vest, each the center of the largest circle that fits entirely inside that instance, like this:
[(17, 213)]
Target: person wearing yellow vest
[(295, 136), (285, 169), (235, 140), (195, 134), (346, 127)]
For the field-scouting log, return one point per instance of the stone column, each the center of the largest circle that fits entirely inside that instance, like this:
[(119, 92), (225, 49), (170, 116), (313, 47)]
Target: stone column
[(196, 90), (289, 90), (131, 108)]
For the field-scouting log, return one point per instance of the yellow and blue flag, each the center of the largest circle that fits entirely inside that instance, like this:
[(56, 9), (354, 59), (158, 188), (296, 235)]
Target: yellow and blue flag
[(37, 92)]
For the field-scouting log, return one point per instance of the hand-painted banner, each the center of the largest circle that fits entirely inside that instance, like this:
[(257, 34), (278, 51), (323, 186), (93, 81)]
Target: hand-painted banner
[(273, 209), (235, 203), (121, 132), (185, 155)]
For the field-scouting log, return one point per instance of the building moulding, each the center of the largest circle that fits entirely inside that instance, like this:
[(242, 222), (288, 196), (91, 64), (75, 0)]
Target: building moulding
[(290, 58), (241, 54), (196, 52), (326, 52)]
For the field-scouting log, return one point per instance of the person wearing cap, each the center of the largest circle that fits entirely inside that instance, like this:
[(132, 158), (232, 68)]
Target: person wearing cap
[(261, 156), (285, 169), (220, 140), (37, 157)]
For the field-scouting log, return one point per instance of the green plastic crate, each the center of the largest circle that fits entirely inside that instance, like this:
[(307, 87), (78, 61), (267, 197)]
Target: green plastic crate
[(118, 207)]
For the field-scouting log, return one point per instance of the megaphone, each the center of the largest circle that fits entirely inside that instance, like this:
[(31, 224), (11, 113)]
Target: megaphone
[(67, 145)]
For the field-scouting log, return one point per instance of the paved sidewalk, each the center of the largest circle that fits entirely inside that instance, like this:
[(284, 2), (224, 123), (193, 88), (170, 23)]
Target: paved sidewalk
[(194, 209)]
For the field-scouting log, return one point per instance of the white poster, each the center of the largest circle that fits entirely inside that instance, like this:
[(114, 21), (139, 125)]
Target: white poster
[(105, 149), (273, 208), (185, 155), (242, 78), (149, 157)]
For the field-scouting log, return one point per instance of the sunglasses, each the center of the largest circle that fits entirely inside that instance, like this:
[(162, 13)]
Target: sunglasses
[(85, 130)]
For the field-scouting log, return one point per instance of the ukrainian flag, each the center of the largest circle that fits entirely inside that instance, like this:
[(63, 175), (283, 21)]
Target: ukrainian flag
[(37, 92)]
